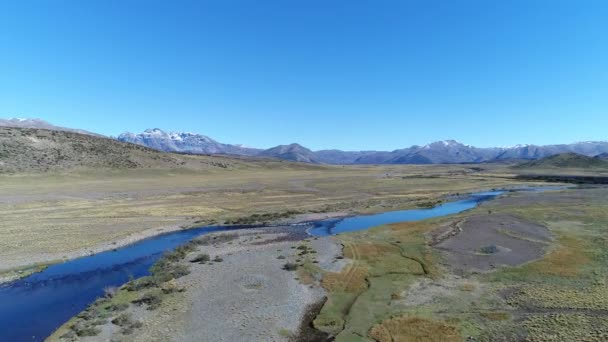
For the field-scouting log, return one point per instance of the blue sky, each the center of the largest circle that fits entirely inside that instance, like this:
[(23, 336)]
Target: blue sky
[(327, 74)]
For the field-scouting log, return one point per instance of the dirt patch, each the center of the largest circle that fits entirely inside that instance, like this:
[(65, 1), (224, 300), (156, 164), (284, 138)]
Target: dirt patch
[(485, 242), (307, 332)]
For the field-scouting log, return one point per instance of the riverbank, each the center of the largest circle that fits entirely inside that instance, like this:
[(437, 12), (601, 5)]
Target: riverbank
[(55, 217), (245, 290), (22, 266)]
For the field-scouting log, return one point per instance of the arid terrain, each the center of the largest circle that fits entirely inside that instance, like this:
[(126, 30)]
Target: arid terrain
[(528, 265)]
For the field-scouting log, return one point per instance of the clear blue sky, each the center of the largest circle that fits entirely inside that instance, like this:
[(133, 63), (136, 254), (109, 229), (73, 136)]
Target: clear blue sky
[(324, 73)]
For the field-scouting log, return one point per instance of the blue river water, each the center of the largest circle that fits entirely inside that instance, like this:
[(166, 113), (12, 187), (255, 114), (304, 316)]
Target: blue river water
[(33, 307), (361, 222)]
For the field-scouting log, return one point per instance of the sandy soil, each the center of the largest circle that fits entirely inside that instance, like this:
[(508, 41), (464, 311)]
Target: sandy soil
[(483, 242), (246, 297)]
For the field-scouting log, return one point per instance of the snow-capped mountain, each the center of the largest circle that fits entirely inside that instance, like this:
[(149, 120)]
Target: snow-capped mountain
[(445, 151), (451, 151), (184, 142)]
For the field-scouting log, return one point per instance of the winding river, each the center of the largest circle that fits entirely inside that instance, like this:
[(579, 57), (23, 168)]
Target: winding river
[(33, 307)]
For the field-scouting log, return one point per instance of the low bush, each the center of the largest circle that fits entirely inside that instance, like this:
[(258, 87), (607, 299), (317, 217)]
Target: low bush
[(118, 307), (151, 299), (122, 320), (201, 258), (290, 266), (491, 249), (211, 239), (140, 284), (82, 330)]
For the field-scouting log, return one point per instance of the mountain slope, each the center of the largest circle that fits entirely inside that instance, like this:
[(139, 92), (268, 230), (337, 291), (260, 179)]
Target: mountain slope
[(340, 157), (41, 150), (184, 142), (439, 152), (292, 152), (602, 156), (41, 124), (565, 160)]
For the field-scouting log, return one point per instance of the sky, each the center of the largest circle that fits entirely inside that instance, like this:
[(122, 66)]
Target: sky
[(352, 75)]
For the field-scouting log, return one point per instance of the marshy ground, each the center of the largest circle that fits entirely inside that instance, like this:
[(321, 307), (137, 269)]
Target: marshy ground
[(404, 286)]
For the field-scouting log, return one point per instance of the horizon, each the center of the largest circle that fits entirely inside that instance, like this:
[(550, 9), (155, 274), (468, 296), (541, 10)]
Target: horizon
[(348, 76), (328, 148)]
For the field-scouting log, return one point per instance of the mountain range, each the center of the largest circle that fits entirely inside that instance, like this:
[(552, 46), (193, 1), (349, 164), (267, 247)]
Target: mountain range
[(447, 151)]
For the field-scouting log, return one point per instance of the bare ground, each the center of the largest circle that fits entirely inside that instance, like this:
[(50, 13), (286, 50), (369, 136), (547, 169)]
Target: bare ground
[(481, 243), (248, 296)]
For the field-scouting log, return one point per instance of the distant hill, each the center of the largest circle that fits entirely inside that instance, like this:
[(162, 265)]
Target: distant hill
[(565, 160), (41, 150), (340, 157), (38, 123), (292, 152), (439, 152), (602, 156)]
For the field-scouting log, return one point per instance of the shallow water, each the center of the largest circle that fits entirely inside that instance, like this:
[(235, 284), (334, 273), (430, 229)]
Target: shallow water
[(361, 222), (33, 307)]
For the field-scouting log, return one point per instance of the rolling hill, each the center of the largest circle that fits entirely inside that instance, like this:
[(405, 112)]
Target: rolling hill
[(292, 152), (42, 150), (41, 124), (565, 160)]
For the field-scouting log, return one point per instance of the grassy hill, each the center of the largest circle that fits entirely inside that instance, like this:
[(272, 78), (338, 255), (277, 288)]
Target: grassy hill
[(41, 150), (565, 160)]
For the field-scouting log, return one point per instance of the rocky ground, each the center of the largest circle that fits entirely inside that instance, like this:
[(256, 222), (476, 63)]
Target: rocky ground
[(244, 293)]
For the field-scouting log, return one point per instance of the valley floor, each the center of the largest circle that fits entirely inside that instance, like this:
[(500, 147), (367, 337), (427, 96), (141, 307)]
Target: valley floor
[(529, 266), (48, 218)]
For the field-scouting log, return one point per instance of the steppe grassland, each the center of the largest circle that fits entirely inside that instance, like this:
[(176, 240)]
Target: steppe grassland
[(45, 216)]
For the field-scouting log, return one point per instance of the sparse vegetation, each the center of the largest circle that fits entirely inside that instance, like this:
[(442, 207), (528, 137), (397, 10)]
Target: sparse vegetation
[(152, 299), (290, 266), (201, 258), (263, 218)]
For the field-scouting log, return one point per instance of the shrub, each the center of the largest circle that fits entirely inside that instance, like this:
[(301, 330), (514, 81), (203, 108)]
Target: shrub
[(83, 330), (164, 271), (122, 320), (118, 307), (290, 266), (140, 284), (491, 249), (209, 239), (152, 299), (201, 258), (128, 330)]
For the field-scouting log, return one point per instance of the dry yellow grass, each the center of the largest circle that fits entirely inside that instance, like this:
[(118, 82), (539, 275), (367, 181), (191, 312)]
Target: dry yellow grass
[(47, 216), (566, 260), (351, 279), (414, 329)]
